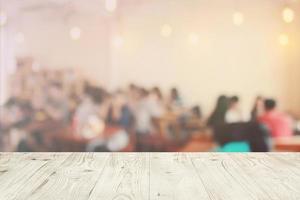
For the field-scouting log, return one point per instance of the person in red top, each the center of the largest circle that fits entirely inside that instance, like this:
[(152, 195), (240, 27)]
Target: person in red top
[(278, 123)]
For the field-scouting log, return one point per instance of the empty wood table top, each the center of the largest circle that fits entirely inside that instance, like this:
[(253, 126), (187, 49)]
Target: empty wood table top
[(139, 176)]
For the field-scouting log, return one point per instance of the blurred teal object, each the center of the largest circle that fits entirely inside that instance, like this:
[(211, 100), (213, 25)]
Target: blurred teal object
[(235, 147)]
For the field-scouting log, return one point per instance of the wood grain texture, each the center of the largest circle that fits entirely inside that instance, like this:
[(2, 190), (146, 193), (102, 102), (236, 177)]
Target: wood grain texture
[(173, 176), (149, 176)]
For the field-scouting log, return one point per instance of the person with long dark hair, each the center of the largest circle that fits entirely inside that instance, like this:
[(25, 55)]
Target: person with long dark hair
[(218, 115), (257, 109)]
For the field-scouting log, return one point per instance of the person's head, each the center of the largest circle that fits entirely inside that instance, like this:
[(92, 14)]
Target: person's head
[(132, 87), (259, 102), (269, 104), (119, 98), (233, 101), (96, 94), (196, 111), (174, 93), (143, 93), (157, 92), (133, 91), (218, 115), (259, 99)]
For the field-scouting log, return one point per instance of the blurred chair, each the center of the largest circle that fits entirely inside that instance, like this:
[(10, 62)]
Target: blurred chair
[(242, 137)]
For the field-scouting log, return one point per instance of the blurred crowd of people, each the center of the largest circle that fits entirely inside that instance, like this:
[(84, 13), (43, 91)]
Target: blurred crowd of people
[(266, 122), (43, 101), (51, 101)]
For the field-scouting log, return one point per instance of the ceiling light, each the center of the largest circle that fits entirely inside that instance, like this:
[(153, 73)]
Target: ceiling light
[(117, 41), (288, 15), (193, 38), (238, 18), (75, 33), (111, 5), (166, 30), (283, 39)]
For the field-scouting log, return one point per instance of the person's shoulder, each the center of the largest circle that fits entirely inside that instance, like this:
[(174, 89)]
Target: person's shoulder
[(286, 116), (263, 117), (280, 114)]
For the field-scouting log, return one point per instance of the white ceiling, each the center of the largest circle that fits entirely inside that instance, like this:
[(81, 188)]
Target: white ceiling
[(64, 10), (23, 7)]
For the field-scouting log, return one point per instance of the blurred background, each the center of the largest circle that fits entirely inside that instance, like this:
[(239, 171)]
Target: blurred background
[(150, 75)]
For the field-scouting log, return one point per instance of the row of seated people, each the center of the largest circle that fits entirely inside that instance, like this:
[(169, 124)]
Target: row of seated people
[(233, 131), (61, 111), (47, 106)]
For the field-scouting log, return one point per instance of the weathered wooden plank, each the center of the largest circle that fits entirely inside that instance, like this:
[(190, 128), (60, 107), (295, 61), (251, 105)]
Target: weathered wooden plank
[(151, 176), (125, 177), (34, 172), (6, 158), (17, 170), (224, 179), (273, 176), (74, 179), (292, 159), (172, 176)]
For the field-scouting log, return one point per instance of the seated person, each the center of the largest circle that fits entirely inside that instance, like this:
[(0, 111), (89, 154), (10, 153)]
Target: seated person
[(233, 114), (33, 142), (193, 119), (217, 117), (147, 111), (17, 110), (87, 119), (57, 103), (119, 113), (278, 123), (174, 102), (258, 108)]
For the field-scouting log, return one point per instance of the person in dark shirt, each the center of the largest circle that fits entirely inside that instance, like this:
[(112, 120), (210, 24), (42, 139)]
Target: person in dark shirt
[(119, 112), (218, 115)]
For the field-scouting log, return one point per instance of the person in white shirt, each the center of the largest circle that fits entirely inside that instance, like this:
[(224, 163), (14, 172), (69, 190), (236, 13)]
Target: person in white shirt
[(148, 108), (233, 114), (88, 118)]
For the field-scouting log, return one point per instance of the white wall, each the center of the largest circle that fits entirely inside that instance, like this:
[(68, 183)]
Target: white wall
[(245, 60), (7, 61), (49, 42)]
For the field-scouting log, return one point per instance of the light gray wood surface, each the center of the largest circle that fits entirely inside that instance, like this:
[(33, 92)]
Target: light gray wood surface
[(155, 176)]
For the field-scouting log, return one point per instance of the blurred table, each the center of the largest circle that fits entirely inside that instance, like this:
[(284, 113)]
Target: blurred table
[(291, 144), (70, 142), (201, 142), (141, 176)]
